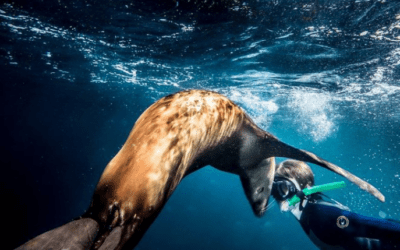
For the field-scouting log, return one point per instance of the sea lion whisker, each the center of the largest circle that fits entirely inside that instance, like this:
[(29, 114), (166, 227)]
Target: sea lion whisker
[(271, 205)]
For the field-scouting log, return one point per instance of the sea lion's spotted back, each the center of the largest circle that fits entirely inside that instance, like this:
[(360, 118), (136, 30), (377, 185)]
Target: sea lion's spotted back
[(164, 142)]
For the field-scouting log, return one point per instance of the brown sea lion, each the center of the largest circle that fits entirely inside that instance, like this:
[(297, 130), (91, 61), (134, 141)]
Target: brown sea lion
[(174, 137)]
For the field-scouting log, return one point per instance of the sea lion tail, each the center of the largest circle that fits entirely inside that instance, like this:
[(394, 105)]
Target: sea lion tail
[(284, 150), (78, 235)]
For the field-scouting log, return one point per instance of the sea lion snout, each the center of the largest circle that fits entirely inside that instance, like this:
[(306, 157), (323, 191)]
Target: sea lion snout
[(260, 206), (259, 200), (257, 185), (257, 197)]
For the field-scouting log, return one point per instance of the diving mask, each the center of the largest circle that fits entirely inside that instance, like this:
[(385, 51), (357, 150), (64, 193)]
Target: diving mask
[(283, 189)]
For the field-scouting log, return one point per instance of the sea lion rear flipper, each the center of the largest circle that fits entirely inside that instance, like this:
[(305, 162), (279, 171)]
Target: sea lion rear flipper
[(281, 149), (78, 235)]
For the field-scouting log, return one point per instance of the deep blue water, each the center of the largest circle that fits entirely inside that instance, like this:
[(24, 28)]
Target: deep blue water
[(75, 75)]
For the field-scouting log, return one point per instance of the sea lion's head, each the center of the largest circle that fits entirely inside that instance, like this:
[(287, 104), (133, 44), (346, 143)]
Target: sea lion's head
[(257, 184), (258, 198)]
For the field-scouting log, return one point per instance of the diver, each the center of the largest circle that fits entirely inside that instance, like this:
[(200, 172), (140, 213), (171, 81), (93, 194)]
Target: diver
[(329, 224)]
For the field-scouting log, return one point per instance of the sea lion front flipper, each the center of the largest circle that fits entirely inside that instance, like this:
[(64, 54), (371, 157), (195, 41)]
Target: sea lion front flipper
[(257, 184), (78, 234), (280, 149), (112, 240)]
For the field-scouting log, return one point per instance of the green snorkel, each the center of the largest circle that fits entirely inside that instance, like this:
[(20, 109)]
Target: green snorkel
[(311, 190)]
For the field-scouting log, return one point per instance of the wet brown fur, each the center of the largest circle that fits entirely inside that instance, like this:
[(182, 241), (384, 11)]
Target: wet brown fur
[(165, 142), (168, 136)]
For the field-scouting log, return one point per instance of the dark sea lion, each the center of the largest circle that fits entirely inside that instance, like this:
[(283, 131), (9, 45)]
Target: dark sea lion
[(174, 137)]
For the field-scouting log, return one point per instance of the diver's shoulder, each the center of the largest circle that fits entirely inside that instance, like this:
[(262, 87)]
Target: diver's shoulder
[(324, 200)]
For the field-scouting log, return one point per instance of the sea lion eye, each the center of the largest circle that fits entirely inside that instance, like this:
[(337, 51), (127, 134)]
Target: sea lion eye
[(260, 190)]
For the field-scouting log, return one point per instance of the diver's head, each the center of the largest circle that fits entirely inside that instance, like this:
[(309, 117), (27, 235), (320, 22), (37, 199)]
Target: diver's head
[(290, 177), (296, 171)]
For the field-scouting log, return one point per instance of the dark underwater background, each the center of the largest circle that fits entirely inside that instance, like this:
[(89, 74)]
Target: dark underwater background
[(75, 75)]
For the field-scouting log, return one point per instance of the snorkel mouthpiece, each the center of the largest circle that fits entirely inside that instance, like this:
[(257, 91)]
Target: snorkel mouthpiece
[(321, 188)]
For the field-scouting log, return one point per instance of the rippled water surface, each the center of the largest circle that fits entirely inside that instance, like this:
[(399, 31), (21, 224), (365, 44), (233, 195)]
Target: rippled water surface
[(75, 75)]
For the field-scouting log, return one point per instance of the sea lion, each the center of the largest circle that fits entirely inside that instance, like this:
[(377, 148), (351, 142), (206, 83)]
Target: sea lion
[(177, 135)]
